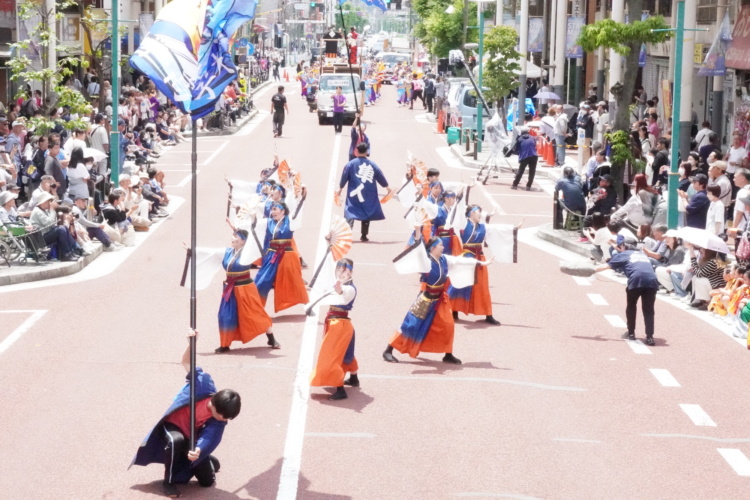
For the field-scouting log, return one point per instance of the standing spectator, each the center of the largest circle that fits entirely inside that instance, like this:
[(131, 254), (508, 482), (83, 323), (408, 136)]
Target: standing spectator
[(701, 138), (640, 101), (278, 108), (660, 166), (53, 167), (14, 144), (715, 216), (642, 284), (718, 177), (439, 94), (696, 210), (653, 125), (276, 64), (75, 141), (339, 100), (737, 155), (93, 87), (78, 174), (742, 182), (527, 157), (711, 147), (561, 132), (99, 139), (429, 92)]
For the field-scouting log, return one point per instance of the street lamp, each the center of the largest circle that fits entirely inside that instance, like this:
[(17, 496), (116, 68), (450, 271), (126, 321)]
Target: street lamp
[(480, 17)]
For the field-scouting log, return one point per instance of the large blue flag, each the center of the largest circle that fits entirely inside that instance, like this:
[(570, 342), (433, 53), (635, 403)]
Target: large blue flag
[(186, 52), (380, 4)]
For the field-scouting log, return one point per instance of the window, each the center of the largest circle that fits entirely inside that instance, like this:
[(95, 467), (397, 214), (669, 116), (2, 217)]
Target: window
[(665, 8), (707, 11)]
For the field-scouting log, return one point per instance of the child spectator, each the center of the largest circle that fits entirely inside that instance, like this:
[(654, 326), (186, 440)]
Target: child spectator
[(715, 216)]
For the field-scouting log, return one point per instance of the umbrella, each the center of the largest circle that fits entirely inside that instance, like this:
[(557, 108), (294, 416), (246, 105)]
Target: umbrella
[(703, 239), (94, 153), (547, 95), (535, 124)]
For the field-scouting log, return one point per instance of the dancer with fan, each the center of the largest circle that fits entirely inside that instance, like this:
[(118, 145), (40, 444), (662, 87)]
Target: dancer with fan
[(441, 226), (360, 177), (336, 356), (473, 299), (429, 326), (280, 267), (241, 313)]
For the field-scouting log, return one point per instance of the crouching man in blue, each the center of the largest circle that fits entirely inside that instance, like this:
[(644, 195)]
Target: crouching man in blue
[(168, 442)]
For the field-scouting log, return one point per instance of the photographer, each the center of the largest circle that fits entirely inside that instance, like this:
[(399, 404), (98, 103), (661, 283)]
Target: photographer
[(44, 218)]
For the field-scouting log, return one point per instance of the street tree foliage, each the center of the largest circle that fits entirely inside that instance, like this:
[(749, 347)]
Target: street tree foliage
[(351, 18), (501, 68), (626, 39), (37, 72), (438, 31)]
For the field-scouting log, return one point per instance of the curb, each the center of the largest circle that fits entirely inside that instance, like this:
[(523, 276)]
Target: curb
[(241, 122), (546, 233), (49, 271)]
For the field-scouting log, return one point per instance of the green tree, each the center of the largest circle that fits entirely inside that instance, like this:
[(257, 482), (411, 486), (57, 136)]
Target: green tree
[(502, 66), (27, 70), (440, 32), (351, 18), (625, 39)]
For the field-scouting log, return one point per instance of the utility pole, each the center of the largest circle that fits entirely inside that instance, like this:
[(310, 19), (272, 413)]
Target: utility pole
[(50, 9), (562, 28), (114, 137), (672, 213), (523, 48), (600, 62), (717, 92), (686, 106)]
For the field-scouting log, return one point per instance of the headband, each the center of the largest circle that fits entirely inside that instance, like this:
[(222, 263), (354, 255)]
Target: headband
[(279, 206), (278, 186), (449, 195), (437, 240), (436, 183), (475, 209), (241, 236), (346, 265)]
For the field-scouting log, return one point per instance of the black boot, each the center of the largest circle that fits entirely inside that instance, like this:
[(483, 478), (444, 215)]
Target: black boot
[(450, 358), (365, 230), (272, 341), (170, 490), (492, 321), (388, 355), (221, 350), (352, 381), (455, 315), (339, 394), (215, 463)]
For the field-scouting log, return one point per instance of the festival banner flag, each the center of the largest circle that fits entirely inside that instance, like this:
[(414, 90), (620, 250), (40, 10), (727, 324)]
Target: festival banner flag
[(536, 34), (574, 27), (715, 63), (186, 53), (380, 4)]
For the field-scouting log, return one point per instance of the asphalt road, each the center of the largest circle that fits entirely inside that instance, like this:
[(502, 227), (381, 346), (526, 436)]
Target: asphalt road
[(552, 404)]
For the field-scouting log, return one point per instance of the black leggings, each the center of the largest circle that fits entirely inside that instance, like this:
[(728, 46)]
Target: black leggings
[(338, 121), (175, 458), (648, 298), (416, 94)]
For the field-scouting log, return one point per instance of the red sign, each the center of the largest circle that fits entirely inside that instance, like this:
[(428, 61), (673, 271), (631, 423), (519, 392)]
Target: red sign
[(738, 54)]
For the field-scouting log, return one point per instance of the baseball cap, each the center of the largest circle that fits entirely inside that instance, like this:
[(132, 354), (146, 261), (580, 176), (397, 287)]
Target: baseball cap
[(18, 123), (672, 233), (121, 122), (627, 241), (607, 178)]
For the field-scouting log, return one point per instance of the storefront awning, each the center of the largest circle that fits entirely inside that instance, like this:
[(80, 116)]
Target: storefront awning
[(738, 54)]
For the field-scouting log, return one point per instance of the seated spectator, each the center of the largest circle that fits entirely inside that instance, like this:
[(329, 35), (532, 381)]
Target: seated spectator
[(572, 192), (117, 217), (645, 238), (715, 215), (708, 274), (720, 297), (94, 230), (696, 210), (600, 236), (8, 211), (156, 180), (133, 197), (604, 197), (674, 277), (592, 165), (645, 206), (44, 218)]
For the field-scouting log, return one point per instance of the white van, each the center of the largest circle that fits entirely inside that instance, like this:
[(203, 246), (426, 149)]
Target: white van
[(326, 89)]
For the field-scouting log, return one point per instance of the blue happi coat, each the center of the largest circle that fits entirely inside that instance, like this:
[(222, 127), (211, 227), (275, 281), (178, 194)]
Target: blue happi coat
[(360, 177)]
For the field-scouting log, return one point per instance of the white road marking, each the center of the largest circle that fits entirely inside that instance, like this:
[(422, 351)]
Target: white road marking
[(615, 321), (580, 280), (597, 299), (16, 334), (737, 460), (638, 347), (697, 415), (700, 438), (214, 154), (341, 434), (295, 434), (184, 181), (422, 118), (664, 377), (487, 494)]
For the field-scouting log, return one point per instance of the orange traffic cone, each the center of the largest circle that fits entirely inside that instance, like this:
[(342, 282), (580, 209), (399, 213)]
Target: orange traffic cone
[(550, 154), (540, 146), (440, 122), (286, 76)]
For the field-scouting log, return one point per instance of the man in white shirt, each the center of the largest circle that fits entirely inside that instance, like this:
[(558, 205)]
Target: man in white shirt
[(702, 136), (737, 156), (75, 141), (717, 177), (561, 131), (742, 181), (99, 139)]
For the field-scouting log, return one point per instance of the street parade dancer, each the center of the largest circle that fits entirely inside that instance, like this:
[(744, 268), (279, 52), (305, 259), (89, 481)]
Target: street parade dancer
[(280, 268), (441, 225), (428, 325), (241, 313), (360, 177), (168, 442), (336, 356), (474, 299)]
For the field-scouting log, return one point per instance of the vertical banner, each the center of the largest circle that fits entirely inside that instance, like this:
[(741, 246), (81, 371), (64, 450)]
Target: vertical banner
[(536, 34), (572, 49), (715, 63), (145, 21), (666, 97), (642, 54)]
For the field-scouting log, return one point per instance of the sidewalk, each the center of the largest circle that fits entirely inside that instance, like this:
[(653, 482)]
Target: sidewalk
[(240, 122)]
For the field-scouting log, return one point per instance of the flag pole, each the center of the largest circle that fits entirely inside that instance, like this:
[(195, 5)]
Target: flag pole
[(351, 72), (193, 271)]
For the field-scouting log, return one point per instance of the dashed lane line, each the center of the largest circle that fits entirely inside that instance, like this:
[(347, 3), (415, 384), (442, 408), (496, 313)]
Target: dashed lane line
[(698, 416), (615, 321), (597, 299), (638, 347), (580, 280), (664, 377), (737, 460), (36, 315)]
